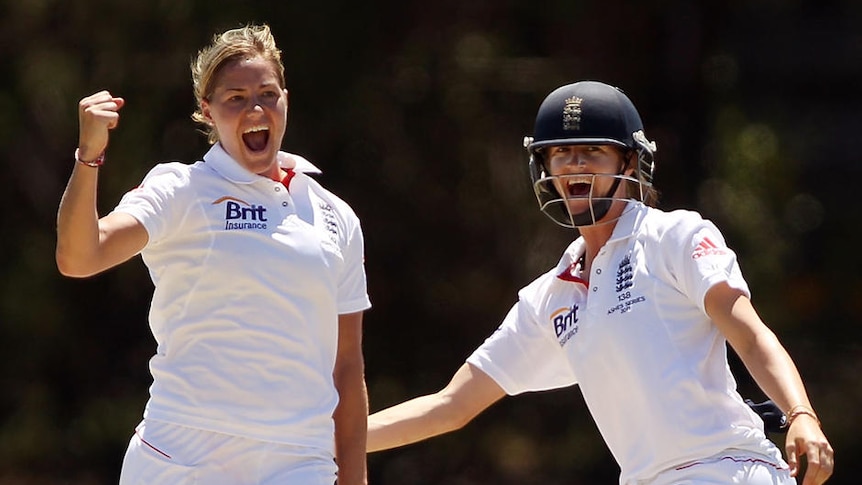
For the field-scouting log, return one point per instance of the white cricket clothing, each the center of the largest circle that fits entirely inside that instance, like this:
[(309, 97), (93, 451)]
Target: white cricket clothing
[(162, 453), (249, 281), (651, 365)]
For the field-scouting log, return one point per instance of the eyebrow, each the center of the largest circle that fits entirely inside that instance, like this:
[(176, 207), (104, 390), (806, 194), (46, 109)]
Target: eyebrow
[(261, 85)]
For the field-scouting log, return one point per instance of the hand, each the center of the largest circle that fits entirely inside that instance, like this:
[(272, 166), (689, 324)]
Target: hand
[(804, 437), (97, 114)]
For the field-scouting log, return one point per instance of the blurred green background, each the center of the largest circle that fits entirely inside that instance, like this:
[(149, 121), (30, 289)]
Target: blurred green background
[(416, 112)]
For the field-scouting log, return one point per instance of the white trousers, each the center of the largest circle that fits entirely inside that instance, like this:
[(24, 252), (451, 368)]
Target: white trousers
[(728, 468), (168, 454)]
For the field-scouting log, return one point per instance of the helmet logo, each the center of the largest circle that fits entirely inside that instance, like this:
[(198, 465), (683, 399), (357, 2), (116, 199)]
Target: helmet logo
[(572, 113)]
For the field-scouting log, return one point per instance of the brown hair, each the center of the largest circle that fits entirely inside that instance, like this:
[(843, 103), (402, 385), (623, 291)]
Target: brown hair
[(633, 191), (244, 42)]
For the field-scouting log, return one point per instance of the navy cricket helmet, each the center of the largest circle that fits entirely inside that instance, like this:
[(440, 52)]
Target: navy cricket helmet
[(587, 113)]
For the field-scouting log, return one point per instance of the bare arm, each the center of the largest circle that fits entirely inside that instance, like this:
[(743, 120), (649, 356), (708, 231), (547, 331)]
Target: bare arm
[(87, 245), (470, 392), (774, 371), (352, 412)]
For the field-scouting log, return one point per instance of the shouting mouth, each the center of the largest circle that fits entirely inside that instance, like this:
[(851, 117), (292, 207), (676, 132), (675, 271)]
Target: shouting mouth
[(578, 186), (256, 138)]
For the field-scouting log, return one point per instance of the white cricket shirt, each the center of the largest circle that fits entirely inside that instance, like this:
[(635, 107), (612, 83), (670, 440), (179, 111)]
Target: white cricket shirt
[(249, 281), (651, 365)]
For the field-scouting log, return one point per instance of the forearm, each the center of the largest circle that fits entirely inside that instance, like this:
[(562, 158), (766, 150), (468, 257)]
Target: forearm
[(469, 393), (411, 421), (757, 346), (774, 371), (350, 428), (78, 222)]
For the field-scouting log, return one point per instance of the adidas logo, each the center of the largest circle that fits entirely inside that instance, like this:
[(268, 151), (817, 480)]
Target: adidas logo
[(707, 248)]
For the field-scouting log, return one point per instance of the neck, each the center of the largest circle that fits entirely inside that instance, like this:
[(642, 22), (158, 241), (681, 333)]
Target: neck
[(596, 235)]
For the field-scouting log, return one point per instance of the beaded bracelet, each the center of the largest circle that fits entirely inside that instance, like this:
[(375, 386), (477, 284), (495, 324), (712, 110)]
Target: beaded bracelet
[(98, 162), (799, 410)]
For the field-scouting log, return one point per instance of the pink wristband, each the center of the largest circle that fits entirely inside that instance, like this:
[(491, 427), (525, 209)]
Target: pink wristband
[(98, 162)]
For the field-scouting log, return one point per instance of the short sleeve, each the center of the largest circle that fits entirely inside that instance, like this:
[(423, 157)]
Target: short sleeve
[(702, 259), (522, 357), (352, 287), (154, 202)]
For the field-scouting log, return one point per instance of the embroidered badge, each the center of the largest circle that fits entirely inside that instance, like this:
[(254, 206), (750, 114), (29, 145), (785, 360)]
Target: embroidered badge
[(572, 113), (624, 281), (329, 220), (624, 274)]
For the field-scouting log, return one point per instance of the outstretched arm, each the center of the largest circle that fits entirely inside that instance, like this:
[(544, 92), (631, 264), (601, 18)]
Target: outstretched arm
[(470, 392), (774, 371), (86, 244)]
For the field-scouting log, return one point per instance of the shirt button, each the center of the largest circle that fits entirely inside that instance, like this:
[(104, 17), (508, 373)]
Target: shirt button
[(277, 188), (284, 204), (599, 271), (595, 289)]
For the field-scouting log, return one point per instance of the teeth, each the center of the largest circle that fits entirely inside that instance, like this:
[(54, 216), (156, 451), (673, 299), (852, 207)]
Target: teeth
[(256, 128), (579, 179)]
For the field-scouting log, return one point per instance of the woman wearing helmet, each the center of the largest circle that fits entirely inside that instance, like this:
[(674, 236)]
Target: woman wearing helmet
[(638, 310)]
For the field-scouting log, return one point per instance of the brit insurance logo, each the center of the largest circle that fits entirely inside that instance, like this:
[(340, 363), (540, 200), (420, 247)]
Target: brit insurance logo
[(239, 214), (565, 322)]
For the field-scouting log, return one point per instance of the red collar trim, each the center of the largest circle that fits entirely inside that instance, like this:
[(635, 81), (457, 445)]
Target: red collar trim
[(568, 275), (287, 178)]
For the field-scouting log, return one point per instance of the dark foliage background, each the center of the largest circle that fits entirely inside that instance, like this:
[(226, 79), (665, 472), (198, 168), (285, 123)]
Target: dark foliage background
[(416, 111)]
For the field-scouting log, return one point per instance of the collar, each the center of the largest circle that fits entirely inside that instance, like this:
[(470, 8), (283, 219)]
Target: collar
[(627, 226), (227, 167), (629, 222)]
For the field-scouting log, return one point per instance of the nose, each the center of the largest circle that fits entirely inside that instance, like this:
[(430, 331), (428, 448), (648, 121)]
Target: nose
[(576, 160), (256, 105)]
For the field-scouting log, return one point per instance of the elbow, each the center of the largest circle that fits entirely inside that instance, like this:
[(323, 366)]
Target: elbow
[(458, 422), (455, 416), (71, 267)]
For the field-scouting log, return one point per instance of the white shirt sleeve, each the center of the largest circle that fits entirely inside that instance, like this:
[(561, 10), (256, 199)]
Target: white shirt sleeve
[(521, 356), (154, 203), (701, 259), (352, 286)]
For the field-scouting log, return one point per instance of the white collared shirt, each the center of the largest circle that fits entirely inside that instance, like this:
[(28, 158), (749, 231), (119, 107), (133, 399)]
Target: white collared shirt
[(249, 281), (651, 365)]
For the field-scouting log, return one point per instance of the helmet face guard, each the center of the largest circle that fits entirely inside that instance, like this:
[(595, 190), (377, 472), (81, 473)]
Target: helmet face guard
[(587, 113)]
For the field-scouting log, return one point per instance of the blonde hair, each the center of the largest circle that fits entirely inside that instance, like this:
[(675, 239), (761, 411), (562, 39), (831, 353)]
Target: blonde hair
[(644, 191), (245, 42)]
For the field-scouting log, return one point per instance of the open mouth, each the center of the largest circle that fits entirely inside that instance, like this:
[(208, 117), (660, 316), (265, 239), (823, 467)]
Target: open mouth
[(578, 186), (256, 138)]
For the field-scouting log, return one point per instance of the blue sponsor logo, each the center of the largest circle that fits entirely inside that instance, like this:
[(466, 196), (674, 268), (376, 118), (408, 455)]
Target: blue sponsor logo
[(239, 214)]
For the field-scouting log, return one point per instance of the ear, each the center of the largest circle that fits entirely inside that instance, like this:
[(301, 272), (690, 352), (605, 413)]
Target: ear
[(205, 110), (631, 159)]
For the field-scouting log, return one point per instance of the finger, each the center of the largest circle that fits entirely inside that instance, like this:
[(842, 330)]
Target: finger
[(113, 121), (101, 101), (811, 472), (94, 99), (815, 467), (827, 464), (792, 459)]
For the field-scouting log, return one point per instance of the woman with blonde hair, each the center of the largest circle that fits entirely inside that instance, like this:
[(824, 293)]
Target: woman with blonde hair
[(260, 286)]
